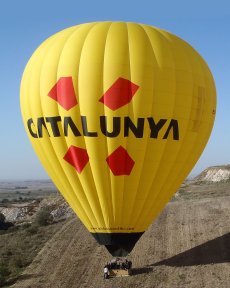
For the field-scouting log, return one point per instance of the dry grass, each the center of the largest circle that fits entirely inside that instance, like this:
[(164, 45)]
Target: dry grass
[(19, 246), (196, 191)]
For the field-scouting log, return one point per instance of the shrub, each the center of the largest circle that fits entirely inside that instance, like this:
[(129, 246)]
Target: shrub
[(4, 272), (4, 225), (19, 262), (11, 228), (25, 225), (33, 229), (44, 217), (5, 200)]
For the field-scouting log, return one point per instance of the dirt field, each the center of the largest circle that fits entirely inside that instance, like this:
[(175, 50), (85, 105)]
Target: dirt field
[(187, 247)]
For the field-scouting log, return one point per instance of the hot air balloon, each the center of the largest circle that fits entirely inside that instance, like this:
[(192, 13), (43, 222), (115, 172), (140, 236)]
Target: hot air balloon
[(118, 114)]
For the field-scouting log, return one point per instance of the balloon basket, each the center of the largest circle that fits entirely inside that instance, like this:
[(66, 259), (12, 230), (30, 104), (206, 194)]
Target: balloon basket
[(117, 267), (119, 273)]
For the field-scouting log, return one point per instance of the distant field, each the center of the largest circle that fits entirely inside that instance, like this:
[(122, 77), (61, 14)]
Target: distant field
[(20, 191)]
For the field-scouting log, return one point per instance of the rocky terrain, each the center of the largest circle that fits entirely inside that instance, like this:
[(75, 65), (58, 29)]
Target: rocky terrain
[(215, 174), (26, 211)]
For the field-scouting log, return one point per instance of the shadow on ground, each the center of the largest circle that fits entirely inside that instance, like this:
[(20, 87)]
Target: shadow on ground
[(142, 270), (211, 252)]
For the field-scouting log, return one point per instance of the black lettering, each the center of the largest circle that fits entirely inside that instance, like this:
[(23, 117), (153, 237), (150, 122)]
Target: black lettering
[(68, 123), (85, 128), (116, 126), (29, 125), (130, 127), (155, 127), (40, 124), (137, 130), (54, 125), (174, 126)]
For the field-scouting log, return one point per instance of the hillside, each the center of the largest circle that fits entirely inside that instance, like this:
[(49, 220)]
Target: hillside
[(215, 174), (187, 246)]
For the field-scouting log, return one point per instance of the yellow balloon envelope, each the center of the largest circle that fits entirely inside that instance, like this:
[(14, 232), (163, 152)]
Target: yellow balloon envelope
[(118, 113)]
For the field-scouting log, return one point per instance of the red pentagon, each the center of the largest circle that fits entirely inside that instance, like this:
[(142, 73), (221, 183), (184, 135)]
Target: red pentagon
[(119, 94), (63, 92), (120, 162), (77, 157)]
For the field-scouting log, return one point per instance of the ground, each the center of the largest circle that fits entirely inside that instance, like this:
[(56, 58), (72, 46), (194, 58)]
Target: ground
[(188, 246)]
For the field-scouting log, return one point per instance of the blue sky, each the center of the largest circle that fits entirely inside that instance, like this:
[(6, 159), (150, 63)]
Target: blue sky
[(25, 24)]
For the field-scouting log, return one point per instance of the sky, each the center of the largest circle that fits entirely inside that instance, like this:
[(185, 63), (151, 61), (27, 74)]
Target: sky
[(25, 24)]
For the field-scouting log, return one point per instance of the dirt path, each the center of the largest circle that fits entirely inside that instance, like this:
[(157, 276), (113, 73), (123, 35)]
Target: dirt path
[(187, 247)]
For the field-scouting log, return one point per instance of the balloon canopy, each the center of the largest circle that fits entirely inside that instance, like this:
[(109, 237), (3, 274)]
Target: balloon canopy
[(118, 113)]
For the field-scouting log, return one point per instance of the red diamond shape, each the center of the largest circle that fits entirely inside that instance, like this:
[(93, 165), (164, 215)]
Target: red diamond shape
[(120, 162), (77, 157), (119, 94), (63, 92)]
